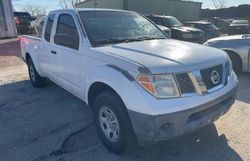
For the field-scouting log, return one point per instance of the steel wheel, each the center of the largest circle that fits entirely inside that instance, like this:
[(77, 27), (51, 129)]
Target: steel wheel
[(109, 124), (32, 72)]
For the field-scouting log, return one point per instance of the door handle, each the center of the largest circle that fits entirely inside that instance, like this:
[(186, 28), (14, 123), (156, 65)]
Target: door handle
[(53, 52)]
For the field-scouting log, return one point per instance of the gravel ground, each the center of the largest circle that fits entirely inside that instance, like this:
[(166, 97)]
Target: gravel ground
[(50, 124)]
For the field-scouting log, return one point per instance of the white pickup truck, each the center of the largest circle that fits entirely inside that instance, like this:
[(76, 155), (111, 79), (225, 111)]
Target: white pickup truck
[(139, 83)]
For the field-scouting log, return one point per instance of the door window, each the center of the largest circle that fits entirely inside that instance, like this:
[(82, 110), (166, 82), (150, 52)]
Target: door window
[(66, 32)]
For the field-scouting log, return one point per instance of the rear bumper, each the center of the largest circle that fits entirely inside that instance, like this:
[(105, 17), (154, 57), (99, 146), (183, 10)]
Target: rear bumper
[(167, 126), (210, 35), (238, 31)]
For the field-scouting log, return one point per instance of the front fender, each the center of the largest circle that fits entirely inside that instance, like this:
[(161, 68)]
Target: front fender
[(121, 81), (110, 76)]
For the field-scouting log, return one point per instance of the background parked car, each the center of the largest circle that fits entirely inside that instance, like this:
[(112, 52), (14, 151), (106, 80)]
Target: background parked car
[(209, 29), (238, 49), (165, 29), (37, 25), (23, 20), (178, 30), (239, 27)]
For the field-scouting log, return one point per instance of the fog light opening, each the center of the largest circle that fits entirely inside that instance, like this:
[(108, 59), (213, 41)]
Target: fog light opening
[(165, 126)]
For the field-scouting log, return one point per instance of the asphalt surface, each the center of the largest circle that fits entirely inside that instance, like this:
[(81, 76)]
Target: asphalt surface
[(50, 124)]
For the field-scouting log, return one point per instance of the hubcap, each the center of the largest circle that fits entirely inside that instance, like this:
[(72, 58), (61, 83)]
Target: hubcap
[(109, 124), (32, 73)]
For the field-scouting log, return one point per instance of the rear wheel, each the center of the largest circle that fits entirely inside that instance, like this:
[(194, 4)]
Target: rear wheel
[(36, 80), (112, 122)]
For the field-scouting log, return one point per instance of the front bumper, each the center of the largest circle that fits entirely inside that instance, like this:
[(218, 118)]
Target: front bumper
[(167, 126)]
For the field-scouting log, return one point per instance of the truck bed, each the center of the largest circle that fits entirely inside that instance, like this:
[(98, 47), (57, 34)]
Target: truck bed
[(29, 41)]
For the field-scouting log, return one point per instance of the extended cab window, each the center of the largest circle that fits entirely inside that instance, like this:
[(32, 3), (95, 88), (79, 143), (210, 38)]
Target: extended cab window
[(66, 32), (49, 27)]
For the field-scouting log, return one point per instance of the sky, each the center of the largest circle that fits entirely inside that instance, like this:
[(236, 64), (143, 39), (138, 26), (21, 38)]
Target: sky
[(54, 4)]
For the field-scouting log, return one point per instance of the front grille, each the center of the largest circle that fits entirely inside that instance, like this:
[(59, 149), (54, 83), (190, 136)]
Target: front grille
[(207, 76), (185, 83), (210, 77)]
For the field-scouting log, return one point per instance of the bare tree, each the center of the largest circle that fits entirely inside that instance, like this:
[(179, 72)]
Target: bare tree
[(35, 10), (68, 3), (219, 4)]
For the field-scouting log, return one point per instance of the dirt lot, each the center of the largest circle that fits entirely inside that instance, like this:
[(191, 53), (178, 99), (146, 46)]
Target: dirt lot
[(50, 124)]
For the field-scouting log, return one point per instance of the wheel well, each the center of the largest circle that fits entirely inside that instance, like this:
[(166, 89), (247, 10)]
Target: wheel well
[(100, 87), (96, 89), (235, 55), (27, 57)]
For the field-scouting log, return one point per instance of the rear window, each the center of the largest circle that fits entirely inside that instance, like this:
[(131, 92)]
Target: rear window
[(22, 14)]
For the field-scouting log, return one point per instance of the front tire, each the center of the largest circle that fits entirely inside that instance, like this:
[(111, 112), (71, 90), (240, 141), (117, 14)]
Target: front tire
[(112, 122), (36, 80)]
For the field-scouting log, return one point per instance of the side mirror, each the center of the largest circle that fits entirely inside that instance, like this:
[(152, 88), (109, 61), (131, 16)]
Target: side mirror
[(66, 40)]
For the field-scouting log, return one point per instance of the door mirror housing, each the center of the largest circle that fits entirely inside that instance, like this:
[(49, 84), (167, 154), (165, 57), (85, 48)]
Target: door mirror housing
[(66, 40)]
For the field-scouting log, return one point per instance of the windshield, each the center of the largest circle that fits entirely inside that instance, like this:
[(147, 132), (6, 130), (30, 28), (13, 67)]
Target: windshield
[(206, 27), (110, 27), (211, 27), (171, 22)]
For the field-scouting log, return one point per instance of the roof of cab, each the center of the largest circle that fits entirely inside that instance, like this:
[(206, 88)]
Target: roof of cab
[(199, 22), (87, 9), (160, 16)]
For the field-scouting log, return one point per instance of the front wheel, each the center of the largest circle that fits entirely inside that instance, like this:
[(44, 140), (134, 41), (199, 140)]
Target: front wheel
[(112, 122), (36, 80)]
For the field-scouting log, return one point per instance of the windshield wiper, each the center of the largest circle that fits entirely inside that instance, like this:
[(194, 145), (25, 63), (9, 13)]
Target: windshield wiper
[(115, 41), (111, 41), (149, 38)]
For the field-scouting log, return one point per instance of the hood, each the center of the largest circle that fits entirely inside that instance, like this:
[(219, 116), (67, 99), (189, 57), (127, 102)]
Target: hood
[(186, 29), (167, 56), (226, 38)]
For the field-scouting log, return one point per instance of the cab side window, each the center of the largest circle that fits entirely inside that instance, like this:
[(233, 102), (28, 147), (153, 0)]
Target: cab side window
[(66, 32), (49, 27)]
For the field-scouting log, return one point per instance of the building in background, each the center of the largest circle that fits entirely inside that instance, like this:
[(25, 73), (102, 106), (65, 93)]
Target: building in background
[(183, 10), (7, 21)]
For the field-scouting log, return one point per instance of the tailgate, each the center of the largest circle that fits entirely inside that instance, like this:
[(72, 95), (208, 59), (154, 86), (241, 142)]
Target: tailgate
[(24, 22)]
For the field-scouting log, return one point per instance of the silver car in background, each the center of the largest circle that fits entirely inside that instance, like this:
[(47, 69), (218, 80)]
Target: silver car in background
[(238, 49)]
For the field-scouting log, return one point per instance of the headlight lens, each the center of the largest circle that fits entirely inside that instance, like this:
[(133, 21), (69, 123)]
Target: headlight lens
[(187, 36), (160, 86)]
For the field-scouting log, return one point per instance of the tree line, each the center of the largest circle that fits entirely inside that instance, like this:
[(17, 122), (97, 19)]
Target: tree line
[(231, 12)]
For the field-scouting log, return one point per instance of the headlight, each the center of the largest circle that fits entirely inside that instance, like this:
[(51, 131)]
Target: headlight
[(160, 86), (187, 36)]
